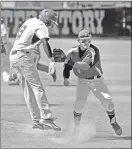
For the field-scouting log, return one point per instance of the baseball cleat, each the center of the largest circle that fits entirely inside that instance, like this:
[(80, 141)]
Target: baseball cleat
[(117, 128), (38, 126), (48, 124), (54, 76)]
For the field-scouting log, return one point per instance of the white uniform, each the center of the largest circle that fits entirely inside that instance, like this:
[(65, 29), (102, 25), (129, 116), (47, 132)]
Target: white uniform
[(34, 92), (26, 32)]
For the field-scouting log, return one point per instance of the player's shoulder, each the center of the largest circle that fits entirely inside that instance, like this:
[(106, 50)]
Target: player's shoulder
[(94, 47), (73, 50), (35, 22)]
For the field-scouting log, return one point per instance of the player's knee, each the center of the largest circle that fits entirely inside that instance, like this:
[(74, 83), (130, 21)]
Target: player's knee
[(110, 106)]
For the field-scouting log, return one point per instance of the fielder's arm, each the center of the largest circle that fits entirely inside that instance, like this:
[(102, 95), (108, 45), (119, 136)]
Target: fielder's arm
[(66, 71), (84, 65), (79, 65)]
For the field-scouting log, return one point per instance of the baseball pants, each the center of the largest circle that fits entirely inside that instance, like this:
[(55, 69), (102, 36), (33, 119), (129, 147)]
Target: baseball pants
[(99, 89), (34, 92)]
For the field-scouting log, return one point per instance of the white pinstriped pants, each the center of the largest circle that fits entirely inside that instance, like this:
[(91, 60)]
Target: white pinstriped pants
[(34, 92)]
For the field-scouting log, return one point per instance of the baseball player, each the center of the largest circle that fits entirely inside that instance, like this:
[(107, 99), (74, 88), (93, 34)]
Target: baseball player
[(21, 59), (6, 46), (84, 59)]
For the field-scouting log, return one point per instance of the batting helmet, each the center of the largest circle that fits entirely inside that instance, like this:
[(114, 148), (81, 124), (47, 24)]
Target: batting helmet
[(48, 16)]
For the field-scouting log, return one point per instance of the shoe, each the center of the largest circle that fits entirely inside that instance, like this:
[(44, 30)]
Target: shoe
[(49, 124), (37, 126), (117, 128), (54, 76)]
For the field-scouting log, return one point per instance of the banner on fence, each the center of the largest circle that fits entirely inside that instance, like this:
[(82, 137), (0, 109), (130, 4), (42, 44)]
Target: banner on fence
[(98, 22)]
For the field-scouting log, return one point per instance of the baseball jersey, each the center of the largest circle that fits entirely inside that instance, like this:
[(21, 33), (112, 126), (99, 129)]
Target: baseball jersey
[(95, 66), (26, 33)]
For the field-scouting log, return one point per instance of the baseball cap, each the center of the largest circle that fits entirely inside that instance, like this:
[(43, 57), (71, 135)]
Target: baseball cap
[(84, 34), (49, 15)]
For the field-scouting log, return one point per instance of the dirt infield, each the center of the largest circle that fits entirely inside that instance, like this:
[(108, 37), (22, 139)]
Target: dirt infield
[(16, 131)]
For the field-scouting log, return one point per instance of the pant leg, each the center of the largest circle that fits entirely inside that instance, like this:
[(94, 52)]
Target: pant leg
[(82, 91), (101, 91), (29, 71), (30, 99)]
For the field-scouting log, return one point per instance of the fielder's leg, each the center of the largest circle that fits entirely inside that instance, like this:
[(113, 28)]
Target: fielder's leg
[(82, 92), (101, 91)]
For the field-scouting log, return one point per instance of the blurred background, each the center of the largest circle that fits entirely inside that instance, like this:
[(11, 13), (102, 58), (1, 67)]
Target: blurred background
[(107, 19)]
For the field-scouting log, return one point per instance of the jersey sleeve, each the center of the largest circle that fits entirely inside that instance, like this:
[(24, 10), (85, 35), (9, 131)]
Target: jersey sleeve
[(42, 32)]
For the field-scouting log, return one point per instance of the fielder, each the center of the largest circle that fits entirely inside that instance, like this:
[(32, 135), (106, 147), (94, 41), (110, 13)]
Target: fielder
[(84, 59), (21, 59)]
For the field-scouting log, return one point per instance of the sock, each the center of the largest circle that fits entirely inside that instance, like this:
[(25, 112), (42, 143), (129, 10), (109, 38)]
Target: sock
[(77, 117), (111, 115)]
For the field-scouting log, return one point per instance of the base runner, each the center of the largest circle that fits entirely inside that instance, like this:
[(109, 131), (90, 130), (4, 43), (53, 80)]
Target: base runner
[(21, 59)]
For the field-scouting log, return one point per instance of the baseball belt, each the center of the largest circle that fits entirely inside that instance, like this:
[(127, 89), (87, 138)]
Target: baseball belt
[(16, 51), (94, 77)]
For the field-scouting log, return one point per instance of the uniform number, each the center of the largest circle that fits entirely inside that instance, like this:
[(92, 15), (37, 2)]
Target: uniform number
[(20, 32)]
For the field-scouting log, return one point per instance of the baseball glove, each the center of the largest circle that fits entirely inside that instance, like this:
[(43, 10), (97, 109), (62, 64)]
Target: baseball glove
[(59, 55)]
